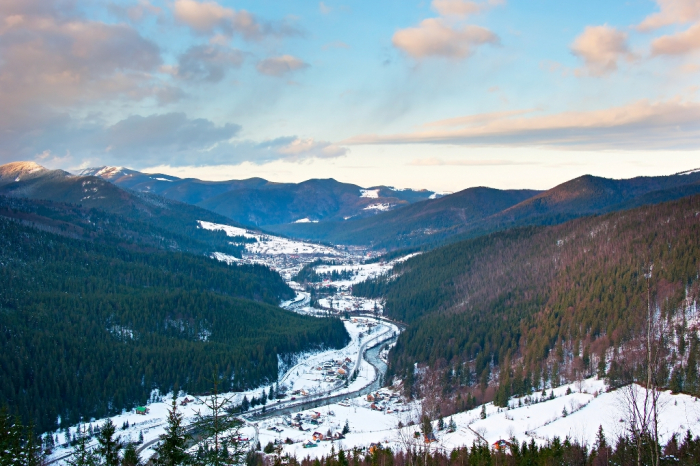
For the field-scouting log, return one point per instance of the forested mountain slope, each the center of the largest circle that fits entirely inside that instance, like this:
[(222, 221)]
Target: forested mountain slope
[(175, 222), (89, 327), (430, 220), (478, 211), (554, 296)]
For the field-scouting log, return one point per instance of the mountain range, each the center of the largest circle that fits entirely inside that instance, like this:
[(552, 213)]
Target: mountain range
[(340, 213), (258, 202), (477, 211)]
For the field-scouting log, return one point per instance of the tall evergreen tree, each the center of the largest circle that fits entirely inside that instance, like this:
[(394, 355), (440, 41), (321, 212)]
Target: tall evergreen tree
[(220, 431), (172, 450), (83, 455), (131, 456), (109, 444)]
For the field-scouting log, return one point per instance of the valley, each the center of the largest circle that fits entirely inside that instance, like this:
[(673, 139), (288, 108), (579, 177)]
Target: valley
[(522, 318)]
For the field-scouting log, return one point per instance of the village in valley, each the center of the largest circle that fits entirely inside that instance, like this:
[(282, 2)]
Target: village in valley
[(333, 400)]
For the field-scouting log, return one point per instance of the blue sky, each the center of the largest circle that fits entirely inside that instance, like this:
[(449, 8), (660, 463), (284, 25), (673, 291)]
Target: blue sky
[(441, 94)]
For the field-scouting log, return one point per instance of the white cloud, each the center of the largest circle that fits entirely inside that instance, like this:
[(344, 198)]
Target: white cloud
[(433, 37), (601, 48), (280, 66)]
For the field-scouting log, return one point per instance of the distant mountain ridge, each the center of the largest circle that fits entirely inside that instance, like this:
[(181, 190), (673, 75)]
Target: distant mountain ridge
[(259, 202), (175, 223), (477, 211)]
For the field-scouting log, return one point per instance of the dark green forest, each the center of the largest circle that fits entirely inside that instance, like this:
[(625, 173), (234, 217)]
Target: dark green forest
[(554, 297), (177, 230), (91, 327)]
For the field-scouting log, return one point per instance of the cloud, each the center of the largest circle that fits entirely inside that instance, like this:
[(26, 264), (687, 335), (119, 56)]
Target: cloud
[(641, 125), (672, 12), (462, 8), (433, 37), (279, 66), (54, 61), (677, 44), (208, 63), (434, 161), (166, 133), (296, 149), (323, 8), (601, 48), (135, 13), (208, 17)]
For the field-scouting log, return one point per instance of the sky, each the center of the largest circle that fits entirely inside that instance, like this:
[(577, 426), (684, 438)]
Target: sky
[(441, 94)]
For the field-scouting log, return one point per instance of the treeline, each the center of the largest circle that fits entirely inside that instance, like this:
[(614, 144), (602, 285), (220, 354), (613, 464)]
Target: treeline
[(556, 298), (89, 328), (308, 273), (557, 452)]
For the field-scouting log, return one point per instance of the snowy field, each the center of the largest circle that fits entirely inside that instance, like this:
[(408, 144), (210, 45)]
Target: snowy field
[(586, 410), (272, 245)]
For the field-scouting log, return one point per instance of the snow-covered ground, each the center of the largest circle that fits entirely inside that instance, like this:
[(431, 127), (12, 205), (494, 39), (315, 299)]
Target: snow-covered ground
[(272, 245), (586, 410)]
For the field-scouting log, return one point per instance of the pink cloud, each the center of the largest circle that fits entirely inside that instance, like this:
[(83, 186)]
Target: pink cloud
[(641, 125), (433, 37), (601, 48)]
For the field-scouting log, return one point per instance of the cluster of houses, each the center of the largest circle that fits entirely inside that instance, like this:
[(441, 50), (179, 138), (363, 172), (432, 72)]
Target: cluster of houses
[(386, 402), (335, 369)]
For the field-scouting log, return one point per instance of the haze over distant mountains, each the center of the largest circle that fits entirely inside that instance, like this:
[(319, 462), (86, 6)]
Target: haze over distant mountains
[(342, 213)]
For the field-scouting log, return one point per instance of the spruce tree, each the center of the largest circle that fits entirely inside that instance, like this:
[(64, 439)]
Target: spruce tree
[(109, 445), (220, 431), (172, 450), (83, 455), (131, 456)]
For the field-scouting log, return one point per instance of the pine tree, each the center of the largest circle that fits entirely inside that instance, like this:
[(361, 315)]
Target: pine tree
[(18, 445), (452, 426), (131, 457), (172, 450), (346, 428), (109, 445), (82, 454), (483, 412), (218, 430)]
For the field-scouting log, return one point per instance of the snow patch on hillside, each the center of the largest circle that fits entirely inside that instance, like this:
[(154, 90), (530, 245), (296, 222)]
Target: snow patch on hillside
[(370, 193), (269, 245), (379, 207)]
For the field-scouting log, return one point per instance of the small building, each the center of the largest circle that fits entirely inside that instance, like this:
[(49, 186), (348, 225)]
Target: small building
[(501, 445), (317, 436), (429, 438), (142, 410)]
